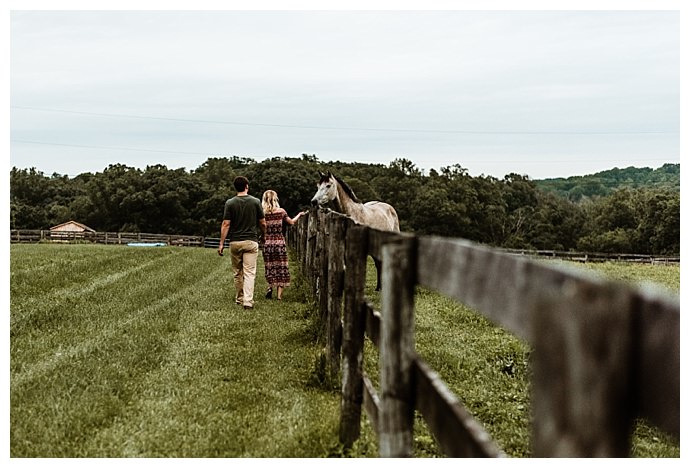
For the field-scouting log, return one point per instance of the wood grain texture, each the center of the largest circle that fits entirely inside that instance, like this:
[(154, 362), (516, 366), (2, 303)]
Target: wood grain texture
[(397, 349)]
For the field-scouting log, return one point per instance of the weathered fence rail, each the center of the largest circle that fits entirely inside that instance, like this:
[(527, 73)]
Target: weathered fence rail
[(33, 236), (595, 256), (38, 235), (604, 353)]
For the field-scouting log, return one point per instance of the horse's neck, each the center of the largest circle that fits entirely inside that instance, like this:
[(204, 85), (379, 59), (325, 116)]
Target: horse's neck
[(346, 205)]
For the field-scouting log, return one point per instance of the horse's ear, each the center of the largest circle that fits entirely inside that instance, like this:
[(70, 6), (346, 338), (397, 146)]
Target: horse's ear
[(329, 174)]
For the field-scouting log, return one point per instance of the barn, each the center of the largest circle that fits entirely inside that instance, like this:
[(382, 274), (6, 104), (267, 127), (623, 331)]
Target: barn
[(70, 230)]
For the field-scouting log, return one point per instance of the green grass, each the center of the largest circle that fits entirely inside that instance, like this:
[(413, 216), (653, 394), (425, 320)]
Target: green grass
[(487, 368), (124, 352)]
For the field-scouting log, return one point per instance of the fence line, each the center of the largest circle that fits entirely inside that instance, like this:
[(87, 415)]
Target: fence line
[(117, 238), (597, 344), (41, 235)]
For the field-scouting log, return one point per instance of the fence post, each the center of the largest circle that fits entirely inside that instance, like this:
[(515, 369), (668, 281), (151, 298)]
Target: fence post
[(336, 271), (312, 229), (353, 333), (582, 389), (396, 355), (322, 267), (303, 240)]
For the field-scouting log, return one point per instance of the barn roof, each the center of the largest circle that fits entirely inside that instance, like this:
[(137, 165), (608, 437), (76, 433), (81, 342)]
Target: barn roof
[(81, 226)]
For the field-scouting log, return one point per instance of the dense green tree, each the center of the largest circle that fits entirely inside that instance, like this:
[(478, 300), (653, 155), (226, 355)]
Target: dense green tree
[(217, 174), (107, 191), (443, 203), (30, 194), (641, 217), (604, 183), (557, 224), (398, 186), (293, 179), (655, 229), (521, 203)]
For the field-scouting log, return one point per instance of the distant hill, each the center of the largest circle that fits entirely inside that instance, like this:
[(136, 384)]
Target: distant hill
[(603, 183)]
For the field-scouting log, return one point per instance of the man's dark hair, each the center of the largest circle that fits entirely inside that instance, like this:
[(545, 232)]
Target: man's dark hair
[(240, 183)]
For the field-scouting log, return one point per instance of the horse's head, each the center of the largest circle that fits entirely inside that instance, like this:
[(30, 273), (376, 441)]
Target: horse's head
[(326, 190)]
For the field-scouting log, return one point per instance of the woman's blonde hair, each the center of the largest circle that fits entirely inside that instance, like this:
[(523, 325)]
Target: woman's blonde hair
[(270, 201)]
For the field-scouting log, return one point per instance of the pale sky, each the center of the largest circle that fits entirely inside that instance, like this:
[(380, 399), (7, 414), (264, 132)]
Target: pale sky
[(541, 93)]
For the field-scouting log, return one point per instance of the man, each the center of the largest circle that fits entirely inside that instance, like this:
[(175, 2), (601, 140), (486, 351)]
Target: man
[(242, 214)]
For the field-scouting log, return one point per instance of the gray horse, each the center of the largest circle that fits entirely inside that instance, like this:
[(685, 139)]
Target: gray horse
[(332, 191)]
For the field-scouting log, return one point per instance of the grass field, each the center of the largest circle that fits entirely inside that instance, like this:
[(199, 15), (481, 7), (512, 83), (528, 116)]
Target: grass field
[(140, 352)]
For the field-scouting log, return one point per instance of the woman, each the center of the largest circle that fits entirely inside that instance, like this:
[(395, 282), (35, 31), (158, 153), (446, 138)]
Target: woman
[(274, 251)]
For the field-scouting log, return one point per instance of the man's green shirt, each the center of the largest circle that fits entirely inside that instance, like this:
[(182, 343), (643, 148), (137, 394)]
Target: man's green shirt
[(244, 214)]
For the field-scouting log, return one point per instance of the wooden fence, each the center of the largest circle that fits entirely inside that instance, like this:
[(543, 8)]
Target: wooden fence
[(585, 257), (36, 235), (33, 236), (604, 353)]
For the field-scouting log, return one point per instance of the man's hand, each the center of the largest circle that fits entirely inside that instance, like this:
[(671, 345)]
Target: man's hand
[(224, 229)]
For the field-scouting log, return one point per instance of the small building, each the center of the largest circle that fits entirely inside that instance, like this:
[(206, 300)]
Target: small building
[(70, 230)]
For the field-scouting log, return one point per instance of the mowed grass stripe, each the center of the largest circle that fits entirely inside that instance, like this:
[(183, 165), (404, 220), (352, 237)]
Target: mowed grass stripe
[(35, 297), (181, 371), (58, 404), (233, 385), (76, 348), (63, 321), (38, 259), (40, 268), (60, 297)]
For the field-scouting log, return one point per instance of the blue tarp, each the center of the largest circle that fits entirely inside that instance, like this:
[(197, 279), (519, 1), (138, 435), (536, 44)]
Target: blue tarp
[(147, 244)]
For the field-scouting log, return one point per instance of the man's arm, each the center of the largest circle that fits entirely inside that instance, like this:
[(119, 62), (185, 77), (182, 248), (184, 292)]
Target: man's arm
[(262, 225), (224, 229)]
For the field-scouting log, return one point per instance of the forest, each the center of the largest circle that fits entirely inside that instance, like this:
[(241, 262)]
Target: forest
[(632, 210)]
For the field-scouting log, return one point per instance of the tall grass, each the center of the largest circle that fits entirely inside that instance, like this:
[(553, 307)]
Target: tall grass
[(131, 352)]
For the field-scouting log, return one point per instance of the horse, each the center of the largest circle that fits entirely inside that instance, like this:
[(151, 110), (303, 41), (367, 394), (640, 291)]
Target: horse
[(334, 192)]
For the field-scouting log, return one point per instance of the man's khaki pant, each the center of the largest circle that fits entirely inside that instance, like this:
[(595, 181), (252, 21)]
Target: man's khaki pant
[(244, 255)]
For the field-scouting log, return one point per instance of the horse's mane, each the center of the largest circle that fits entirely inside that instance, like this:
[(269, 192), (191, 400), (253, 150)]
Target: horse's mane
[(347, 189)]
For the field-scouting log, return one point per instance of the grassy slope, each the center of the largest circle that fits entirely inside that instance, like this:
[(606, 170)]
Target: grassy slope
[(120, 352)]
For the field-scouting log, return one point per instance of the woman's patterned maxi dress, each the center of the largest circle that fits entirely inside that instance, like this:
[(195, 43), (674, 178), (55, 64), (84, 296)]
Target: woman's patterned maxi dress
[(275, 251)]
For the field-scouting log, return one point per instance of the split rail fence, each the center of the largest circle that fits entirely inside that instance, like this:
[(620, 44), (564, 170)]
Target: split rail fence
[(42, 235), (604, 353), (36, 235)]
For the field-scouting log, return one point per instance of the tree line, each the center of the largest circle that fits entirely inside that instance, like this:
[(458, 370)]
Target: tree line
[(604, 183), (513, 212)]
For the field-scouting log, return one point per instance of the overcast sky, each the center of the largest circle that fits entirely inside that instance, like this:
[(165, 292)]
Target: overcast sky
[(541, 93)]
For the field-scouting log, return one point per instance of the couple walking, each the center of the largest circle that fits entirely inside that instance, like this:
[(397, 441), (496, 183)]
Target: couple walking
[(243, 216)]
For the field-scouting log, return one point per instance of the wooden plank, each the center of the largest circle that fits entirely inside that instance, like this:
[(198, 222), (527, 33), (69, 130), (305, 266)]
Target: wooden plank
[(507, 289), (397, 349), (353, 334), (372, 403), (456, 431), (657, 358), (496, 284), (378, 238), (503, 287), (582, 386)]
